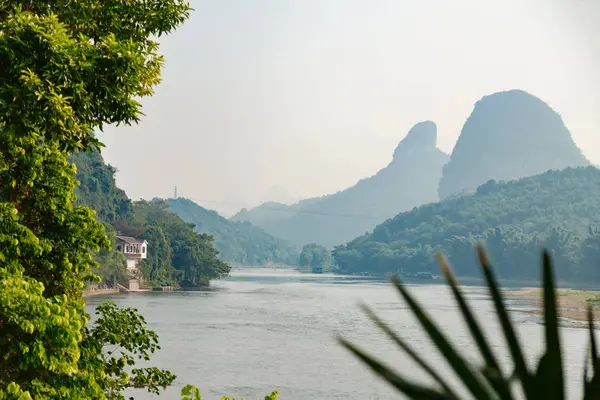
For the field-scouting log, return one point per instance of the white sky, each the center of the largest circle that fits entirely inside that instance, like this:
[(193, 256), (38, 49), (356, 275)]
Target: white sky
[(313, 95)]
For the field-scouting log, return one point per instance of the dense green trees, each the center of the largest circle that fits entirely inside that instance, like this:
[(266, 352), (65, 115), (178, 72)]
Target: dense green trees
[(66, 69), (237, 242), (97, 188), (193, 257), (514, 220), (176, 254), (314, 255)]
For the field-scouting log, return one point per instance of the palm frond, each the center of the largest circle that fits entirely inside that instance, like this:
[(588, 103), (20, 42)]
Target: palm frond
[(547, 381)]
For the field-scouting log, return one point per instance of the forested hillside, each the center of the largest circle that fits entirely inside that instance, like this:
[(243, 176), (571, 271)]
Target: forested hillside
[(98, 190), (238, 242), (557, 209), (176, 254), (509, 135), (410, 179)]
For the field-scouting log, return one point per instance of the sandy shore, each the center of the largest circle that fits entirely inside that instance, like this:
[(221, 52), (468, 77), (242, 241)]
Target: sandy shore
[(573, 304)]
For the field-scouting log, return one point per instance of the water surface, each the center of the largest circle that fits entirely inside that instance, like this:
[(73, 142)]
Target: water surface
[(262, 329)]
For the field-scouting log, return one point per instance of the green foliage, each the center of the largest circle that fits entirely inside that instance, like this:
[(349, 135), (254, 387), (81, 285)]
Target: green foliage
[(118, 339), (193, 257), (314, 255), (514, 219), (98, 189), (237, 242), (590, 254), (545, 381), (170, 238), (191, 392), (111, 264), (158, 268), (66, 69)]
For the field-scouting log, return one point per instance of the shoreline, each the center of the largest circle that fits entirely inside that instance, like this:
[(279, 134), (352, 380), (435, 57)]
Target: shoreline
[(99, 292), (572, 304)]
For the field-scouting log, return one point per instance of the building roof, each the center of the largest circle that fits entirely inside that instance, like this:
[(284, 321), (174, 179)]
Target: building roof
[(130, 240)]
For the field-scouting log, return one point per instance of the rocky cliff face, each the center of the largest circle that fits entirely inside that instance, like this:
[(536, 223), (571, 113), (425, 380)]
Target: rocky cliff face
[(411, 179), (509, 135)]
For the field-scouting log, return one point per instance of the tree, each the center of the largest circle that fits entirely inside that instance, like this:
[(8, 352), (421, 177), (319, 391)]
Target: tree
[(193, 256), (591, 254), (157, 267), (514, 219), (66, 69), (112, 264), (238, 242), (314, 255), (97, 188)]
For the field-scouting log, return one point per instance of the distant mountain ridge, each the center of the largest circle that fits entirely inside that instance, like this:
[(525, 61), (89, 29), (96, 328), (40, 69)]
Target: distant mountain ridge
[(237, 242), (279, 194), (509, 135), (409, 180), (513, 219)]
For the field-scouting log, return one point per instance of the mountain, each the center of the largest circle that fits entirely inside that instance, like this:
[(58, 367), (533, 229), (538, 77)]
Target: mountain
[(410, 180), (278, 194), (237, 242), (514, 219), (509, 135), (98, 189)]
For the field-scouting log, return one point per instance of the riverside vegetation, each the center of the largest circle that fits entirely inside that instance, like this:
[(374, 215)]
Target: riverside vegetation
[(237, 242), (178, 255), (69, 68), (190, 244), (509, 135), (557, 210)]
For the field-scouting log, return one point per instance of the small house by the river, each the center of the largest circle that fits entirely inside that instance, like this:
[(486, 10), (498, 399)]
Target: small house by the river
[(133, 250)]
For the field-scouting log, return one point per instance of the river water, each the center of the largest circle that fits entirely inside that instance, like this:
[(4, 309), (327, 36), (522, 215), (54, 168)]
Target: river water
[(261, 329)]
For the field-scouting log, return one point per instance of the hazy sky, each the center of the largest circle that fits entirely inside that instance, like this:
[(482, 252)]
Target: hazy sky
[(313, 95)]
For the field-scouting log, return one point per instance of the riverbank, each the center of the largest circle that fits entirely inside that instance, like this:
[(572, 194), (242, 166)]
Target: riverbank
[(572, 304), (99, 292)]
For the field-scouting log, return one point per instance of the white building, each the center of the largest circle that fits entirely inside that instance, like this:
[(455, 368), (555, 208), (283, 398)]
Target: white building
[(133, 250)]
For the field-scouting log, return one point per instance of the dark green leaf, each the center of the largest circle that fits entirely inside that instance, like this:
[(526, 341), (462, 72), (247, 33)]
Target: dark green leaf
[(509, 333), (549, 375), (493, 373), (472, 379), (412, 390), (411, 353)]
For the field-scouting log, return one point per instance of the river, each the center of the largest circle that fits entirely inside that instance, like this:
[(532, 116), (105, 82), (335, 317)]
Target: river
[(261, 329)]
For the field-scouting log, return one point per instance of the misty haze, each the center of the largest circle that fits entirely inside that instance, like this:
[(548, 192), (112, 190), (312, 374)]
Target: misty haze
[(196, 197)]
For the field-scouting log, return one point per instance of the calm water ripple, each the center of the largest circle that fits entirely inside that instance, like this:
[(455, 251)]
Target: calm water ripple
[(261, 330)]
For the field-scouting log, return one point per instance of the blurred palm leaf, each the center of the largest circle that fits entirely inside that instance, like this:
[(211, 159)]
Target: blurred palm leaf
[(546, 381)]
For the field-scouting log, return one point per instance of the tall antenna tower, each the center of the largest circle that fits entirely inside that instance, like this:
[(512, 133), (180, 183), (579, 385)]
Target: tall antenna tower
[(175, 194)]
